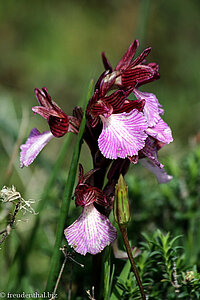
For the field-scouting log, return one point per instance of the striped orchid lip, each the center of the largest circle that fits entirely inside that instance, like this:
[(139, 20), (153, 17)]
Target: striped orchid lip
[(123, 134), (91, 232), (34, 144)]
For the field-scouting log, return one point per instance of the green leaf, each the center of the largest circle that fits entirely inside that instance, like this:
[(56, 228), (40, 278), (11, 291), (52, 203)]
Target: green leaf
[(117, 292), (55, 261)]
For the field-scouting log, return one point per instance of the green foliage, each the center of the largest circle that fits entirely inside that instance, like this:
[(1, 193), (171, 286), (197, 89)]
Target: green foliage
[(163, 270), (174, 206)]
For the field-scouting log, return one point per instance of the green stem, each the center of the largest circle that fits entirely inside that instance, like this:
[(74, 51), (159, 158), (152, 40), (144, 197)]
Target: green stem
[(130, 256), (55, 261), (143, 20), (108, 275)]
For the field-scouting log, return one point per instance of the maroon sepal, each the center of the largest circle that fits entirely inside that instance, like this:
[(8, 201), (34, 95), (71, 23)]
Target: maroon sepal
[(106, 63), (140, 58), (130, 105), (156, 76), (44, 100), (100, 80), (93, 121), (108, 82), (93, 100), (86, 194), (57, 119), (116, 99), (154, 66), (46, 112), (78, 113), (43, 97), (80, 174), (138, 75), (106, 105), (101, 108), (84, 178), (128, 56)]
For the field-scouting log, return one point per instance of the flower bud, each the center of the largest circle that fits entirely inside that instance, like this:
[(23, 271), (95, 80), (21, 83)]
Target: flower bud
[(121, 203)]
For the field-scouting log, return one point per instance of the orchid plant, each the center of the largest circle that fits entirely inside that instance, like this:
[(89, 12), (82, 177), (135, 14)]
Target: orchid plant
[(119, 131)]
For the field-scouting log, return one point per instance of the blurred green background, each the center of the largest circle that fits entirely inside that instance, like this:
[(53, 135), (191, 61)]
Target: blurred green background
[(58, 44)]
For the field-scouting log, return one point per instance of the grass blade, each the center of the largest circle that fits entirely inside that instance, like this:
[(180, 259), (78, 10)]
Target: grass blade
[(55, 262)]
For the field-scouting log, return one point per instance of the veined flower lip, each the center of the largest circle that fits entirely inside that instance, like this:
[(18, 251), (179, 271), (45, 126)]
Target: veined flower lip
[(122, 135), (91, 232), (34, 144)]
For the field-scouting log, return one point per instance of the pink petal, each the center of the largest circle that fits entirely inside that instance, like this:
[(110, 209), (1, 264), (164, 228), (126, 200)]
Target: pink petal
[(161, 131), (34, 144), (151, 108), (91, 232), (160, 173), (123, 134)]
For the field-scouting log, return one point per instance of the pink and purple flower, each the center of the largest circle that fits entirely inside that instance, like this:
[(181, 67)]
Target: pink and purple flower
[(129, 125), (59, 124), (92, 231), (117, 128)]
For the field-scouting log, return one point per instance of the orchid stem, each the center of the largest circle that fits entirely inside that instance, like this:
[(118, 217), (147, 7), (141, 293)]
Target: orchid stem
[(130, 256)]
